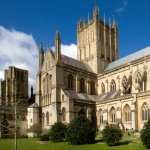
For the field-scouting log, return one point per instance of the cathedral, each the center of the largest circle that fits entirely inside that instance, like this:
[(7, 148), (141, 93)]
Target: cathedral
[(98, 84)]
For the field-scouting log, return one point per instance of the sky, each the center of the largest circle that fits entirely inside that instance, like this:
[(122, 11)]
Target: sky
[(24, 24)]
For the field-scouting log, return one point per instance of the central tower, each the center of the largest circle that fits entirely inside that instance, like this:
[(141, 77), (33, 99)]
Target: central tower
[(97, 42)]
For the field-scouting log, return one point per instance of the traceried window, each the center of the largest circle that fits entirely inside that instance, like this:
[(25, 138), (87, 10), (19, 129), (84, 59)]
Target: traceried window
[(127, 113), (82, 85), (70, 82), (125, 84), (145, 112), (113, 115), (129, 84), (101, 119), (102, 88), (112, 86), (138, 82), (92, 88)]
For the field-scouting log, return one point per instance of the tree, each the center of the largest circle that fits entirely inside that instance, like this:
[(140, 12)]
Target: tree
[(145, 134), (4, 128), (112, 134), (57, 132), (81, 131)]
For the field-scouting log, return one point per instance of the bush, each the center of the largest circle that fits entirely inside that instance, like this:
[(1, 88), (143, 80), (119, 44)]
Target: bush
[(44, 137), (112, 134), (4, 128), (57, 132), (81, 131), (145, 134)]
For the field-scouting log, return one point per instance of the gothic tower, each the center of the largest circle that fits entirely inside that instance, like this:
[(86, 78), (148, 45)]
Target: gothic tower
[(97, 42)]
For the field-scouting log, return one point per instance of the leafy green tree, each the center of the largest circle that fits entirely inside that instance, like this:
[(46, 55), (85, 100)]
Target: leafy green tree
[(4, 128), (81, 131), (112, 134), (57, 132), (145, 134)]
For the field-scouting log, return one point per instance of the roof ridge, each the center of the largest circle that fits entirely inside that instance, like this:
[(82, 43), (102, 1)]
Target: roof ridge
[(129, 58)]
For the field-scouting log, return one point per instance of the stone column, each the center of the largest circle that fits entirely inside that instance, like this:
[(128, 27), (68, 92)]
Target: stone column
[(6, 93), (133, 119), (76, 83), (133, 113)]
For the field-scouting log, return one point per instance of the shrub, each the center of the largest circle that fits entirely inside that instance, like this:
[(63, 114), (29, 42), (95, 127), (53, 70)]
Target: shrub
[(57, 132), (44, 137), (145, 134), (81, 131), (112, 134), (4, 128)]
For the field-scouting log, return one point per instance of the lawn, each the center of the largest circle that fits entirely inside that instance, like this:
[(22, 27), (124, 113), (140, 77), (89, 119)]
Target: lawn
[(129, 143)]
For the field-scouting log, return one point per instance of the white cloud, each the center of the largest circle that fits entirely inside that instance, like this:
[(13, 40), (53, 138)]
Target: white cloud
[(121, 9), (69, 50), (19, 49)]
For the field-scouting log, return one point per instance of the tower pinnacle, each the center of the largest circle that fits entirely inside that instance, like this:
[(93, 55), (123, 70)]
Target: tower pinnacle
[(96, 12), (58, 47)]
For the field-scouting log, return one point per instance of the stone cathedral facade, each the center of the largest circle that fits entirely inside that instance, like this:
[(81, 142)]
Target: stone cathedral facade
[(97, 83)]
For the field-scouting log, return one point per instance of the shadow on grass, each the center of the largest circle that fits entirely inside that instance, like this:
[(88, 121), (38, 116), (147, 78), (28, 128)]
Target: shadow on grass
[(99, 141), (124, 142)]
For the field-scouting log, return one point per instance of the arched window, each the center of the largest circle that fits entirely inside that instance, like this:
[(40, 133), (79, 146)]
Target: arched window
[(70, 82), (112, 115), (101, 117), (144, 80), (47, 118), (125, 85), (112, 86), (129, 84), (138, 82), (43, 119), (63, 114), (145, 112), (102, 88), (92, 88), (82, 85), (127, 113)]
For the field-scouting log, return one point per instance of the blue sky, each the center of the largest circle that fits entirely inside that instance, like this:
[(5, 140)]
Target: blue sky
[(42, 18), (23, 23)]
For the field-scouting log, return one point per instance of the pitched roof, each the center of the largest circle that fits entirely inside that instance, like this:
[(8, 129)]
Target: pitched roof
[(128, 59), (83, 96), (75, 63)]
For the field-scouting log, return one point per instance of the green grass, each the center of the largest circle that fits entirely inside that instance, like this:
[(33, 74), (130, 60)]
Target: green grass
[(129, 143)]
